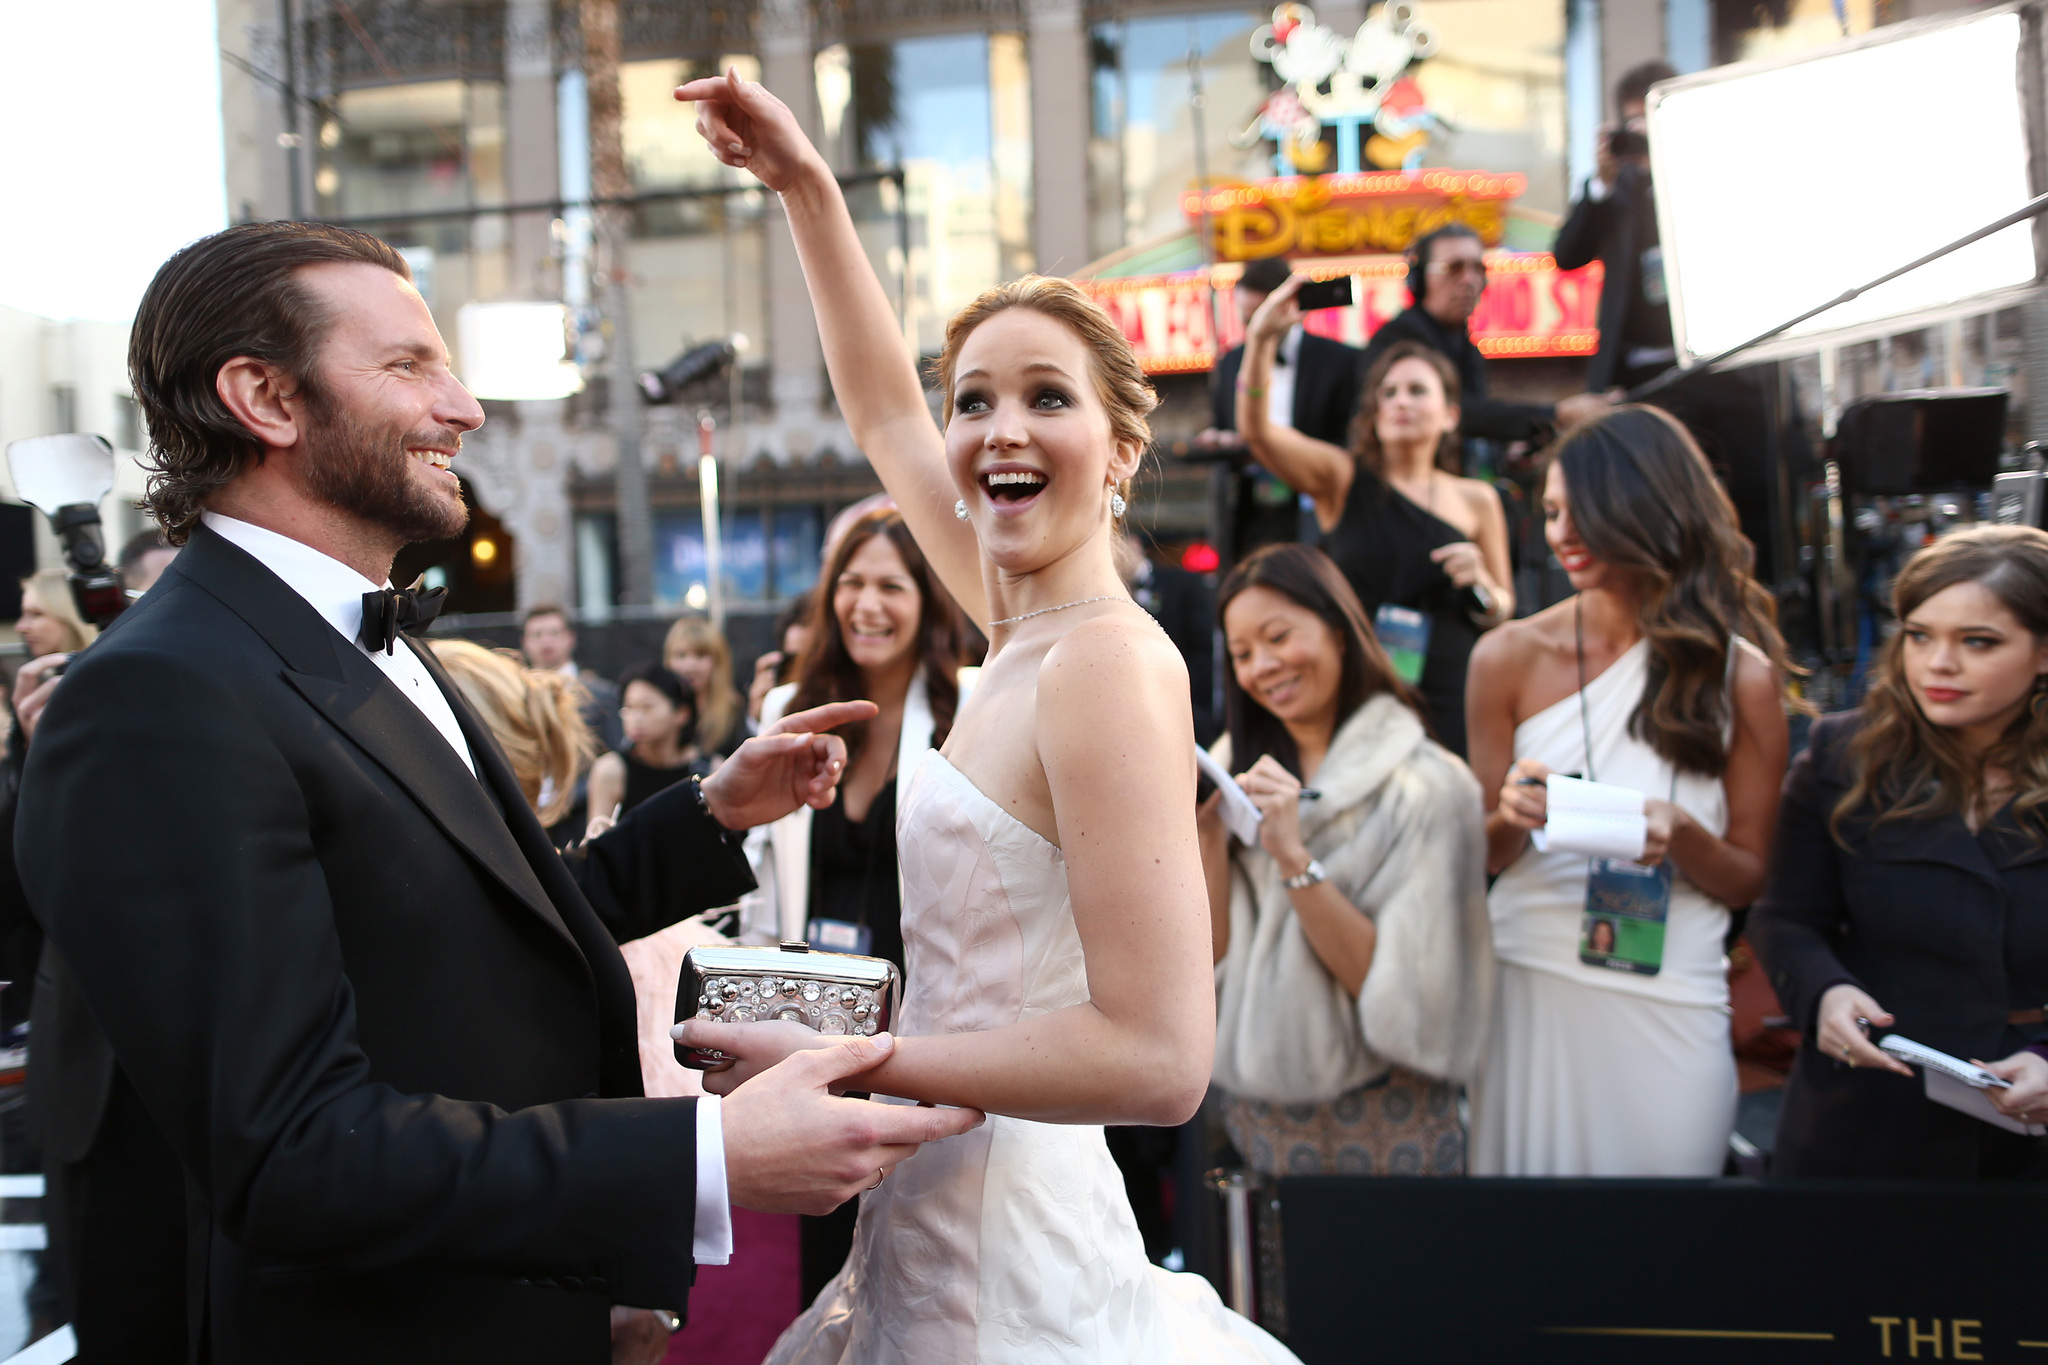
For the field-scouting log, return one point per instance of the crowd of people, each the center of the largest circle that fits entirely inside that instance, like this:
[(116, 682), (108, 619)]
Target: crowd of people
[(376, 1017)]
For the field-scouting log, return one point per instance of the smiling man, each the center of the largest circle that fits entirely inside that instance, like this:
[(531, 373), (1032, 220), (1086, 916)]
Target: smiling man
[(380, 1023)]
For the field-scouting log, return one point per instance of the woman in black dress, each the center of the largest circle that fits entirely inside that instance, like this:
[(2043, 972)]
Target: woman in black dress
[(659, 708), (1425, 549), (1908, 891)]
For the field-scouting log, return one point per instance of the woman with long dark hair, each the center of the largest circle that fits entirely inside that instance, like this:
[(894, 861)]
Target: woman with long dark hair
[(1354, 964), (1663, 674), (1425, 549), (1909, 887)]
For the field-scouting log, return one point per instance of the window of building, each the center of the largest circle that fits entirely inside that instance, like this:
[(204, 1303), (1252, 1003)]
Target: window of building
[(954, 112), (699, 263), (1143, 152), (768, 554), (424, 147), (63, 408), (1496, 89), (127, 422)]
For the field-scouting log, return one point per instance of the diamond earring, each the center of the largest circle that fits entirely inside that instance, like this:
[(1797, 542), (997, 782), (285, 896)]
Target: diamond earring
[(1116, 503), (960, 509)]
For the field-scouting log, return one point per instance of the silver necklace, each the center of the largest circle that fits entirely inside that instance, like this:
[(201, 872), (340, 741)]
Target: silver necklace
[(1080, 602)]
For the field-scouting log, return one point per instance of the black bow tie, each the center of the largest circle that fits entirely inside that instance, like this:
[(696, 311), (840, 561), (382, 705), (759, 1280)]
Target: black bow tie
[(388, 611)]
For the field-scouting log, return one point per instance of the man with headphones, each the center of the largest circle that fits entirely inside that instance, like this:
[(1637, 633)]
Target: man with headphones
[(1446, 276)]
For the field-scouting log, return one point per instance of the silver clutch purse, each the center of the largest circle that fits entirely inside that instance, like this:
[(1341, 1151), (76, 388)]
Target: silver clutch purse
[(834, 993)]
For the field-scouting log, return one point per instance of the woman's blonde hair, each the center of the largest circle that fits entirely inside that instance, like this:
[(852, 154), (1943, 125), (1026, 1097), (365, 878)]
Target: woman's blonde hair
[(53, 589), (1904, 766), (1120, 381), (536, 717), (718, 701)]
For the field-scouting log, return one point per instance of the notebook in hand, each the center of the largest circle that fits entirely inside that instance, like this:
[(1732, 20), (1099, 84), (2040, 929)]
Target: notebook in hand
[(1956, 1083)]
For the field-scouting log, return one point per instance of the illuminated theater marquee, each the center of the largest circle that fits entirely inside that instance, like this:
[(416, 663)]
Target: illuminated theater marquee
[(1349, 215), (1353, 224)]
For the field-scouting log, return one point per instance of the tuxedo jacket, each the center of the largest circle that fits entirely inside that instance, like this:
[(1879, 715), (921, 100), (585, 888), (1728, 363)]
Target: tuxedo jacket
[(1325, 389), (388, 1035)]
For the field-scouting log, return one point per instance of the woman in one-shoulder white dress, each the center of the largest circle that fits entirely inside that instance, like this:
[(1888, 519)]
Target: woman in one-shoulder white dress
[(1593, 1071), (1055, 915)]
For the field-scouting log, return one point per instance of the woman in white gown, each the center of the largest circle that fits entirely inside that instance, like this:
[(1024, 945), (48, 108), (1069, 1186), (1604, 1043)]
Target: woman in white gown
[(1663, 674), (1054, 911)]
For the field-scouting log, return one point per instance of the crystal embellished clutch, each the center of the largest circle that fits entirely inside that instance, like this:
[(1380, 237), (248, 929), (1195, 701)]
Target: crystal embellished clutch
[(834, 993)]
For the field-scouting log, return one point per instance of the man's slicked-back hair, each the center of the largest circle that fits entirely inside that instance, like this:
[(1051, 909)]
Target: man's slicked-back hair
[(236, 293)]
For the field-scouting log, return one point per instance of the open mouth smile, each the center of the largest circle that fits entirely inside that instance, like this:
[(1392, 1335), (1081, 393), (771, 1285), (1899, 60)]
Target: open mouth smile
[(1012, 486)]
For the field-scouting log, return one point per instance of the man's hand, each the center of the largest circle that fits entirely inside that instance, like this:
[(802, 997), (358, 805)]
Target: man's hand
[(639, 1336), (33, 687), (792, 763), (1582, 408), (791, 1146)]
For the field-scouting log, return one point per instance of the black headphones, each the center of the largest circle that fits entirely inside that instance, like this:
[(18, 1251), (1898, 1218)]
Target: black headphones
[(1422, 248)]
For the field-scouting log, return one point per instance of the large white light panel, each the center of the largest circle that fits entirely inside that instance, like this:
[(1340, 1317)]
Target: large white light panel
[(1779, 188)]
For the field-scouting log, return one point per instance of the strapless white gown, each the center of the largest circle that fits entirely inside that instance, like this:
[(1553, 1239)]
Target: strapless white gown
[(1015, 1242)]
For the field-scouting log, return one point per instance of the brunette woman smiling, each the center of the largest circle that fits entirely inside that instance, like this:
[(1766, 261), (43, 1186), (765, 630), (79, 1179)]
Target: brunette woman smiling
[(1354, 968), (1425, 550), (1909, 889), (1663, 674)]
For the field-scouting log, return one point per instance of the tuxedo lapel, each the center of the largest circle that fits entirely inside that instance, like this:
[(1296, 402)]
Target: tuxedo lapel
[(371, 711), (353, 694)]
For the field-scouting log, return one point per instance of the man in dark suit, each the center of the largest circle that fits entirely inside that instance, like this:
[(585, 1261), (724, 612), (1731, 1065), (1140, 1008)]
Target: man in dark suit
[(1314, 389), (1615, 222), (382, 1025), (1446, 277)]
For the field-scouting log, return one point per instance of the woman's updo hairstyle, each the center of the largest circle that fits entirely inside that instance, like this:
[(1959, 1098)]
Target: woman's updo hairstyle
[(1120, 381)]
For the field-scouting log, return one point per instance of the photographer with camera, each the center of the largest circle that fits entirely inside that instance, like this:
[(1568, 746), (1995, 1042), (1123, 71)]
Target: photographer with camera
[(1615, 222)]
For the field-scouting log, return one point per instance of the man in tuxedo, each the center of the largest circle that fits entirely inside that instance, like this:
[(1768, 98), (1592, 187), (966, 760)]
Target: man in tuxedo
[(1446, 277), (381, 1024), (1314, 389)]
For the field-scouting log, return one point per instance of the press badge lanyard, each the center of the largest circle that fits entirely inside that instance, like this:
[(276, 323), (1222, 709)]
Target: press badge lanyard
[(837, 935), (1626, 903)]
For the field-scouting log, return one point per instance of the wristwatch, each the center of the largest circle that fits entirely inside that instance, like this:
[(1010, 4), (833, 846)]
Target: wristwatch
[(1308, 876)]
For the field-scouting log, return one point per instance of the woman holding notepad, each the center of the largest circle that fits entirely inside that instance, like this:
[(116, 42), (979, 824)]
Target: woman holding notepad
[(1909, 891), (1645, 714)]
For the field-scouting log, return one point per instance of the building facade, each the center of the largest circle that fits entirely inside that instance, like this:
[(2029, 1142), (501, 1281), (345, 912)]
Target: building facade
[(978, 139)]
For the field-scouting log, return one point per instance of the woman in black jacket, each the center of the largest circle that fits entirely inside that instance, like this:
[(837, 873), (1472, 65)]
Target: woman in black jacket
[(1909, 884)]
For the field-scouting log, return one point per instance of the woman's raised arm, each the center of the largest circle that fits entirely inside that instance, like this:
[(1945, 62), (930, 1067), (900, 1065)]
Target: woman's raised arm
[(1303, 463), (874, 375)]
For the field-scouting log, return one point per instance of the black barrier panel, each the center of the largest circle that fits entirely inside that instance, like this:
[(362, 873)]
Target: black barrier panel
[(1388, 1271)]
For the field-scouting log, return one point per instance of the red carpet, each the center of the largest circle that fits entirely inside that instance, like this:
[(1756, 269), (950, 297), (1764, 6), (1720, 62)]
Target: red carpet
[(737, 1310)]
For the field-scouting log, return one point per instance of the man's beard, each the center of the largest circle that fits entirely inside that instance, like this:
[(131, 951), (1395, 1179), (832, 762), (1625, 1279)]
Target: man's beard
[(362, 470)]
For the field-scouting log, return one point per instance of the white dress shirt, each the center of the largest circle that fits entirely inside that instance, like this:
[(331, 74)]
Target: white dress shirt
[(1280, 380), (336, 591)]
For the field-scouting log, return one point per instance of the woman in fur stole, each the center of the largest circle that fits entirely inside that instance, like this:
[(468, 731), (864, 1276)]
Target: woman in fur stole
[(1354, 961)]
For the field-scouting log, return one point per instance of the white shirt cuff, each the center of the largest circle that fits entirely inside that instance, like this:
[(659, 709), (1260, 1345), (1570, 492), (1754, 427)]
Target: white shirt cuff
[(712, 1244)]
